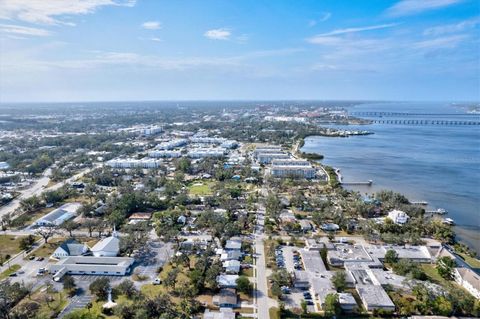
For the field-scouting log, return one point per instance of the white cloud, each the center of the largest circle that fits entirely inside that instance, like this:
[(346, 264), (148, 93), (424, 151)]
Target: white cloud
[(21, 30), (47, 11), (410, 7), (152, 25), (218, 34), (355, 30), (156, 39), (452, 28), (324, 16), (448, 42)]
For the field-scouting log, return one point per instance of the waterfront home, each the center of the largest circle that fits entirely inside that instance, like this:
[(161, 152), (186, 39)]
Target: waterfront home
[(469, 280), (398, 217)]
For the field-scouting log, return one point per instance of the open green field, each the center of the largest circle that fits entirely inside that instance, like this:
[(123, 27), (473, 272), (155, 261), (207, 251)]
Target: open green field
[(201, 188), (11, 270), (9, 244), (473, 262)]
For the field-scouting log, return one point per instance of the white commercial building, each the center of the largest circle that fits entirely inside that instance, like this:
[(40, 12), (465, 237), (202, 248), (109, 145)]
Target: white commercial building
[(134, 163), (151, 130), (107, 247), (165, 153), (172, 144), (206, 152), (375, 297), (59, 215), (267, 158), (290, 162), (87, 265), (293, 171)]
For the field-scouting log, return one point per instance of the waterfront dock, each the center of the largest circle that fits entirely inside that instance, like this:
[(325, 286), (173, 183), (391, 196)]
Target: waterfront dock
[(367, 183)]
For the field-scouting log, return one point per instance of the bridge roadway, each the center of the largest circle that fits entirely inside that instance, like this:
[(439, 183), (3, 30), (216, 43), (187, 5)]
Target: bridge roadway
[(426, 122), (401, 114)]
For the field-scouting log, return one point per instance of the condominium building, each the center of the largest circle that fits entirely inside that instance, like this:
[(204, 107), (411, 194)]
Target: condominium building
[(165, 153), (293, 171), (267, 158), (290, 162), (206, 152), (172, 144), (133, 163)]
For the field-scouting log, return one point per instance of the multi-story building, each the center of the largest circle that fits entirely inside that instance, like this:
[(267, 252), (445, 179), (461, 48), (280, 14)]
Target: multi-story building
[(293, 171), (133, 163), (172, 144), (165, 153), (206, 152), (267, 158)]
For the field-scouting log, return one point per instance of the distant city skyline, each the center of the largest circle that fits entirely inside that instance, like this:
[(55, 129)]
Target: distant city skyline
[(114, 50)]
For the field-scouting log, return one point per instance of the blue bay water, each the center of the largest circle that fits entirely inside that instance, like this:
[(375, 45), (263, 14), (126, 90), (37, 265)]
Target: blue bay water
[(436, 163)]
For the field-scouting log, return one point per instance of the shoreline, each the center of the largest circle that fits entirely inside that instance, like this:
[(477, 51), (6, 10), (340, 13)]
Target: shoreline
[(466, 234)]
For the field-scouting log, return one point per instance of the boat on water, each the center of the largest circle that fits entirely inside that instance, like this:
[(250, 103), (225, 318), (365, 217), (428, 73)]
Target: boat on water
[(449, 221), (438, 211)]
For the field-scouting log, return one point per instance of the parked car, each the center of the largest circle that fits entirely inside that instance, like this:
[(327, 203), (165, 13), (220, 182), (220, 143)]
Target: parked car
[(39, 258), (13, 274)]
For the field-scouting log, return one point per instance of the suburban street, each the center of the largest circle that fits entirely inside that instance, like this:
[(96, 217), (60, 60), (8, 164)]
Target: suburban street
[(261, 292), (37, 188)]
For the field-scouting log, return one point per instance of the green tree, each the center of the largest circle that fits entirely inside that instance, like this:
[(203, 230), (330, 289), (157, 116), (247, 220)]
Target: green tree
[(391, 256), (332, 305), (303, 305), (445, 267), (99, 287), (244, 285), (442, 306), (69, 284), (26, 242), (339, 281)]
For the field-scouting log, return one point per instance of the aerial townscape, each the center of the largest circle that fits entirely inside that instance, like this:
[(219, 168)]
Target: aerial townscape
[(210, 211), (239, 159)]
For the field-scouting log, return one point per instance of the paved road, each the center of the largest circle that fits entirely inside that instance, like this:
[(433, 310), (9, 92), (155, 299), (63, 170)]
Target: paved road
[(37, 188), (34, 189), (261, 292)]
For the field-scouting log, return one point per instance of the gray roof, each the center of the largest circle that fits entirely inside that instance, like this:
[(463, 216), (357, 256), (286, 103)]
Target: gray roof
[(111, 244), (312, 261), (374, 296), (72, 247)]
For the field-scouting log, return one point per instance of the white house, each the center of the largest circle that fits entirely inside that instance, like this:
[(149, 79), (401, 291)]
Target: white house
[(398, 217), (469, 280), (227, 281), (70, 248), (231, 266), (107, 247)]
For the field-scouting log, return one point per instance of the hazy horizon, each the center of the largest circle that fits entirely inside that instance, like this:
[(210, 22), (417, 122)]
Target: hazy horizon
[(127, 50)]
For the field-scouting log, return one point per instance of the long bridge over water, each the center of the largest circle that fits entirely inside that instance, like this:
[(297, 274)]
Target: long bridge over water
[(405, 114), (426, 122)]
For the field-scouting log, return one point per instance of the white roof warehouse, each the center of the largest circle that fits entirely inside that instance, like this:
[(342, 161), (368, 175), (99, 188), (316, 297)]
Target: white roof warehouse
[(81, 265), (59, 215)]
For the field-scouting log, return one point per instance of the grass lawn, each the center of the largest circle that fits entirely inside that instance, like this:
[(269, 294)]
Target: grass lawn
[(433, 275), (201, 188), (473, 262), (10, 244), (28, 218), (13, 268), (247, 272), (47, 249), (50, 303)]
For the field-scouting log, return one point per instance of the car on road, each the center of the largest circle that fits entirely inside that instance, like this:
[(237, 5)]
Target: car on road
[(39, 258), (32, 257)]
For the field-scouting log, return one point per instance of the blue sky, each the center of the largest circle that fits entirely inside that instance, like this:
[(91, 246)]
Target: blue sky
[(88, 50)]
